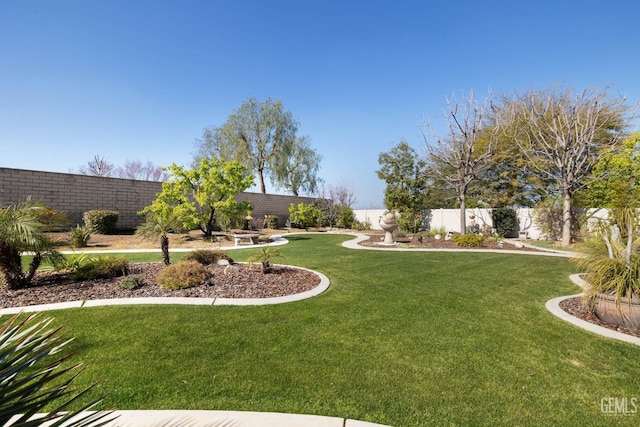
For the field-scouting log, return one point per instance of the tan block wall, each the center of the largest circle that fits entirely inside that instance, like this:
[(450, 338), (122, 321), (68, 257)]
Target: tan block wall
[(76, 194)]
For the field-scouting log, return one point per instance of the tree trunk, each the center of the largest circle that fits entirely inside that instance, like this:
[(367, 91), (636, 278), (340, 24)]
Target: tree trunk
[(11, 266), (164, 246), (463, 214), (263, 189), (566, 218)]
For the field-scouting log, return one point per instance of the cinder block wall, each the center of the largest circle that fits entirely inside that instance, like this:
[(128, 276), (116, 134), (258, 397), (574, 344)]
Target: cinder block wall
[(76, 194)]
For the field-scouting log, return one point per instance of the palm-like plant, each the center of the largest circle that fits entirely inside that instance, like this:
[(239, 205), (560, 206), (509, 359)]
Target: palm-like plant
[(612, 257), (158, 226), (264, 257), (21, 230), (31, 381)]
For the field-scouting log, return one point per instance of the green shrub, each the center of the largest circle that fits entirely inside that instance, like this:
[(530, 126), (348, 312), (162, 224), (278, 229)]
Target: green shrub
[(100, 268), (185, 274), (442, 231), (272, 222), (305, 215), (361, 225), (132, 282), (71, 262), (468, 240), (80, 236), (504, 221), (101, 221), (345, 217), (207, 256)]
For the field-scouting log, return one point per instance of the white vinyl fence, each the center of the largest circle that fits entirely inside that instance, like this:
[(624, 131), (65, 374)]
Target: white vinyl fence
[(449, 219)]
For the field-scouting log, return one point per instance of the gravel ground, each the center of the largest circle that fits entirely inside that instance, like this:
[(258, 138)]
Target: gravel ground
[(243, 282)]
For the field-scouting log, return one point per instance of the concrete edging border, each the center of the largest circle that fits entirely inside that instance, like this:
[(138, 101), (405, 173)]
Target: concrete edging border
[(553, 306), (353, 244), (322, 286)]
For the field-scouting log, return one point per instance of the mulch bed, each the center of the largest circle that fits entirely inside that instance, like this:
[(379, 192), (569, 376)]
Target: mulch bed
[(433, 243), (576, 307), (239, 281)]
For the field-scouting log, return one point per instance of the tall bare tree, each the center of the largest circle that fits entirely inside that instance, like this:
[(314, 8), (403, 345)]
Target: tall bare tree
[(135, 169), (98, 166), (131, 169), (453, 159), (562, 134)]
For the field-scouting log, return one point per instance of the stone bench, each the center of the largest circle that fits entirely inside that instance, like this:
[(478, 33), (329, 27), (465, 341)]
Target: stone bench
[(253, 238)]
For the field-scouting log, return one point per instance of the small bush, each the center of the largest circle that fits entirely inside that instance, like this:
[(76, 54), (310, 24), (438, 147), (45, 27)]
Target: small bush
[(100, 267), (101, 221), (504, 221), (361, 225), (71, 262), (468, 240), (345, 217), (207, 256), (80, 236), (132, 282), (185, 274), (272, 222), (305, 215)]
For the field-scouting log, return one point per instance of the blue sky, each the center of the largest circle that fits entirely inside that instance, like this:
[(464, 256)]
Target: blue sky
[(140, 80)]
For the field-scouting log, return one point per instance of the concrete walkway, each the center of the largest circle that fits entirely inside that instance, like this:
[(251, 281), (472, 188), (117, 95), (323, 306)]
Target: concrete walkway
[(179, 418)]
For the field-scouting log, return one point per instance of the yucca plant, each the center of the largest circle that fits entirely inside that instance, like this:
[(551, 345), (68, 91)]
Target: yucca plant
[(264, 257), (33, 378), (611, 257), (80, 236)]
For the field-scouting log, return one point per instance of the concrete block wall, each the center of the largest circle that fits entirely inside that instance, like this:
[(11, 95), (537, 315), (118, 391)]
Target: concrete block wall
[(75, 194), (271, 204), (449, 219)]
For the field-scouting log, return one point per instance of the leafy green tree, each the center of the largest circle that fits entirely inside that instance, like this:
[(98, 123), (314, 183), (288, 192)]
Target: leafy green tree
[(615, 179), (296, 170), (407, 191), (562, 135), (506, 181), (22, 229), (199, 197), (262, 135)]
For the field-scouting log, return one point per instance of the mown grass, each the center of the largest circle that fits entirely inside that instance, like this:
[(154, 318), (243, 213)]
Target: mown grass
[(404, 339)]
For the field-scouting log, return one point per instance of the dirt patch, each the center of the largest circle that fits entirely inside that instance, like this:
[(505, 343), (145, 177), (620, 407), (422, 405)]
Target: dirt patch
[(128, 240)]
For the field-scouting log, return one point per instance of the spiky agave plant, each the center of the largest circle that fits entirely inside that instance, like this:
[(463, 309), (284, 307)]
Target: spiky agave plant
[(33, 378)]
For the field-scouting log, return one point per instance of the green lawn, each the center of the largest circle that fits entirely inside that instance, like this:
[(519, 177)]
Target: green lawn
[(400, 338)]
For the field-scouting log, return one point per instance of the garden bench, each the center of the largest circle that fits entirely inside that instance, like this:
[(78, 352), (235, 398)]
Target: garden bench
[(253, 238)]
